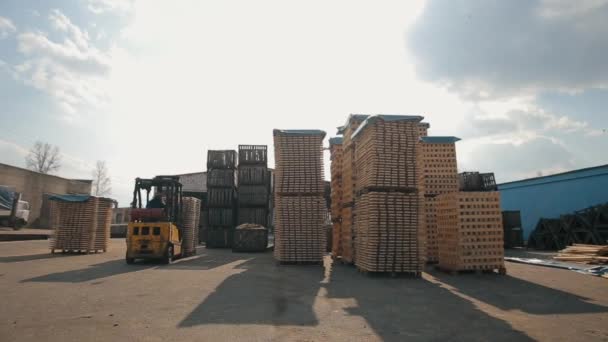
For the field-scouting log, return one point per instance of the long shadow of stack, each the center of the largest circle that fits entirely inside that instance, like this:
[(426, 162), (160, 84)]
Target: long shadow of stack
[(400, 309), (92, 272), (263, 293), (508, 293)]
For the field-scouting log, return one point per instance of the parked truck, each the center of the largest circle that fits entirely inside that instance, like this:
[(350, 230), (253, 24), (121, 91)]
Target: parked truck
[(13, 211)]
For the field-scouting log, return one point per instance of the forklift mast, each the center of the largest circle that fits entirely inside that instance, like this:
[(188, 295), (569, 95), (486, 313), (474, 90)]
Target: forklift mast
[(169, 187)]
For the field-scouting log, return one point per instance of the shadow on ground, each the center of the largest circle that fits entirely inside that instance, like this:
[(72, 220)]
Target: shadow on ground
[(93, 272), (207, 259), (511, 293), (20, 258), (263, 293), (400, 309)]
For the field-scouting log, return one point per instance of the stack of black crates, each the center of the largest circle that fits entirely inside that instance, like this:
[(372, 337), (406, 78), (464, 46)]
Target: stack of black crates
[(253, 185), (221, 198)]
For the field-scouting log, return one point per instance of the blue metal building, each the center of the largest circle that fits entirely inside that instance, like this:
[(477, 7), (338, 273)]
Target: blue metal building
[(554, 195)]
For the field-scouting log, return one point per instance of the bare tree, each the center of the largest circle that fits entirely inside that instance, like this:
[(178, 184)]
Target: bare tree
[(102, 185), (43, 158)]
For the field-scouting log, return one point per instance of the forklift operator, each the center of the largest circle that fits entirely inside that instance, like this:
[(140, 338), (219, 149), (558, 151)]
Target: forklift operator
[(156, 202)]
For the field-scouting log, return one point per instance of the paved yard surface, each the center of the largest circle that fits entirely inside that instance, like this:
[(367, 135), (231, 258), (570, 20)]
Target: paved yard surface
[(221, 296)]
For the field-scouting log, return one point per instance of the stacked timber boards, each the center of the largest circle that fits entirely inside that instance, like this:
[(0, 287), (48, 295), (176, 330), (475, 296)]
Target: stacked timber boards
[(80, 223), (300, 208), (335, 148), (191, 212), (470, 231), (388, 219)]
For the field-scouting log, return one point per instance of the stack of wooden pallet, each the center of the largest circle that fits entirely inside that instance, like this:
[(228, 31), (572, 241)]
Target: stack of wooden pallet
[(335, 148), (423, 129), (221, 198), (439, 175), (300, 208), (81, 223), (388, 216), (253, 185), (191, 212), (470, 232), (347, 229), (592, 254)]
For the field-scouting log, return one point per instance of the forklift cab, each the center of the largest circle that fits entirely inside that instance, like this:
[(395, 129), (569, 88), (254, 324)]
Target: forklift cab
[(154, 233)]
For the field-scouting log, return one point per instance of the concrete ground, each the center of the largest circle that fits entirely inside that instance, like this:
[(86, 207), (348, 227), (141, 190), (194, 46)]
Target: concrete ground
[(221, 296)]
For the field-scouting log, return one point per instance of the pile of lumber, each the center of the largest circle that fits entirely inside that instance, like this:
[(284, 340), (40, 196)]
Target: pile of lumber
[(439, 175), (300, 208), (191, 214), (470, 231), (221, 198), (591, 254), (80, 223), (335, 149), (250, 238), (388, 216)]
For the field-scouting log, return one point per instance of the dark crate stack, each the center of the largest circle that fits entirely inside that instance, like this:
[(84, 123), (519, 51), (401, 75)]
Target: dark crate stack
[(221, 198), (475, 181), (389, 220), (300, 208), (253, 185)]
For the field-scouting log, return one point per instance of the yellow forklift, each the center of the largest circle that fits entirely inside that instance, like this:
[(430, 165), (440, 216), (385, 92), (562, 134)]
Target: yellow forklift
[(154, 231)]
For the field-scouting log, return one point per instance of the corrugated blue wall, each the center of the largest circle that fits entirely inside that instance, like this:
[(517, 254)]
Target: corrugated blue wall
[(554, 195)]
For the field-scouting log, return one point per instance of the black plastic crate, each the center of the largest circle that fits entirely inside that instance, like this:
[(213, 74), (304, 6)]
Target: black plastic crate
[(221, 177), (475, 181), (253, 175), (253, 155), (221, 217), (221, 159), (219, 237), (221, 197), (253, 215), (253, 195)]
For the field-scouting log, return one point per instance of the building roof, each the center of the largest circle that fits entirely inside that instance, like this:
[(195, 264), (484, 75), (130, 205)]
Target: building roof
[(191, 173), (439, 140), (88, 181), (573, 174), (336, 141)]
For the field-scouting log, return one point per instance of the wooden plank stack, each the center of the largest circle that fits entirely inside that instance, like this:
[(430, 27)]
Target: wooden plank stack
[(347, 229), (470, 232), (221, 197), (389, 219), (335, 148), (300, 208), (253, 185), (80, 223), (591, 254), (439, 174), (191, 213)]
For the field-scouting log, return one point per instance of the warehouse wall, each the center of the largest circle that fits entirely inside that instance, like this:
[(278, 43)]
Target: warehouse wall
[(33, 185), (551, 196)]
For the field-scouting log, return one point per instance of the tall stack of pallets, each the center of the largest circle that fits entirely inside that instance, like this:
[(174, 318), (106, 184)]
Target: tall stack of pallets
[(335, 148), (470, 232), (439, 176), (389, 221), (253, 185), (221, 198), (80, 223), (191, 213), (300, 208), (349, 180)]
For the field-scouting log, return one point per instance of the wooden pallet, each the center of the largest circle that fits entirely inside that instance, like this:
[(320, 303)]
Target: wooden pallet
[(439, 168), (191, 211), (299, 164)]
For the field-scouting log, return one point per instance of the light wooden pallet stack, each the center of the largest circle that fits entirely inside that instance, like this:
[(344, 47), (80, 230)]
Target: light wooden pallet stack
[(470, 232), (439, 175), (191, 212), (347, 233), (80, 223), (388, 220), (300, 208), (335, 148), (423, 129)]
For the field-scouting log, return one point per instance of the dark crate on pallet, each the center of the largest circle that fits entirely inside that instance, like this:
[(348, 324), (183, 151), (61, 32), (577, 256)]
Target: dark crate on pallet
[(221, 159), (475, 181), (219, 237), (253, 154), (253, 175), (221, 178), (221, 217), (221, 197), (250, 239), (513, 233), (253, 215), (253, 195)]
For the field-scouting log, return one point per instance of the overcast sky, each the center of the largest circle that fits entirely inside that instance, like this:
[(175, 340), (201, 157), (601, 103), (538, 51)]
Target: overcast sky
[(149, 86)]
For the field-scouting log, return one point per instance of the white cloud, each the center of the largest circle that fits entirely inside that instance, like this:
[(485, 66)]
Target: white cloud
[(6, 27), (103, 6), (72, 71)]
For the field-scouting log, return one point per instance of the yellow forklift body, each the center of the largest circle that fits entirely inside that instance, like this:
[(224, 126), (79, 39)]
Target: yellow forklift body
[(150, 240)]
